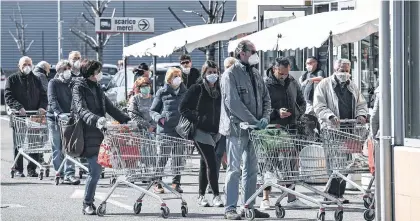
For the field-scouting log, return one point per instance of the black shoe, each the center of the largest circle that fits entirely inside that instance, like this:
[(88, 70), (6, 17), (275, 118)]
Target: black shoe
[(232, 215), (177, 188), (89, 209), (19, 174), (32, 173), (258, 214), (72, 180)]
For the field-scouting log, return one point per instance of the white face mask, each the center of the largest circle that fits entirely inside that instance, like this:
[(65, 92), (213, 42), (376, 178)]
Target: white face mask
[(176, 82), (186, 70), (309, 68), (76, 64), (99, 76), (212, 78), (66, 74), (342, 76), (254, 59), (27, 70)]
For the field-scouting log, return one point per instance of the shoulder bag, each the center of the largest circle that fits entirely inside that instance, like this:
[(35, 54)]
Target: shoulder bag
[(72, 138), (185, 128)]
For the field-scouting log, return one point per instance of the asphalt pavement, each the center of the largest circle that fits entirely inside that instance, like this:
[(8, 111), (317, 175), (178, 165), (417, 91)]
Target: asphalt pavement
[(34, 199)]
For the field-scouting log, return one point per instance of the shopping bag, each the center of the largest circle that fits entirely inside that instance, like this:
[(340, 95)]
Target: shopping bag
[(72, 138), (371, 154), (105, 154)]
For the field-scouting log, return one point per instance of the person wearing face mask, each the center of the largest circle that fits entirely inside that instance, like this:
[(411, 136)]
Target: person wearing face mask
[(335, 98), (42, 70), (59, 102), (75, 58), (90, 104), (190, 75), (164, 112), (309, 79), (206, 96), (24, 92), (140, 103), (245, 98)]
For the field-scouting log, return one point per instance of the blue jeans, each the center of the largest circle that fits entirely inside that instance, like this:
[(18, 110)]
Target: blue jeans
[(95, 171), (238, 148), (220, 151), (55, 140)]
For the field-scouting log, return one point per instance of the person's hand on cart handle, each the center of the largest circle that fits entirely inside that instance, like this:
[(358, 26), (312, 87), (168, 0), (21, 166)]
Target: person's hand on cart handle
[(284, 113), (334, 120), (162, 120), (42, 111), (361, 119), (63, 117), (100, 124), (22, 111), (263, 123)]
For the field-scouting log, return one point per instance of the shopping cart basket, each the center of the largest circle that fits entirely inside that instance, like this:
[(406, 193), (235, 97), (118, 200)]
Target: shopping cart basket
[(31, 137), (278, 151), (145, 156), (343, 148)]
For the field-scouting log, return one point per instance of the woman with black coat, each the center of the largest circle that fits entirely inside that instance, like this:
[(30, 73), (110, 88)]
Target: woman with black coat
[(90, 105), (201, 105)]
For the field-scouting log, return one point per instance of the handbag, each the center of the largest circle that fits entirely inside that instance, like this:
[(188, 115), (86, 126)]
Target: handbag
[(186, 128), (72, 138)]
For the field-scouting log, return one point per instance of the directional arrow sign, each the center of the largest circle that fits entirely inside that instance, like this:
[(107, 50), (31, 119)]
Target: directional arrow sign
[(124, 25), (144, 24)]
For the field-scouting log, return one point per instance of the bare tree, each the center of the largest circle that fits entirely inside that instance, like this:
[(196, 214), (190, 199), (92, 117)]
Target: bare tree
[(20, 32), (214, 13), (94, 9)]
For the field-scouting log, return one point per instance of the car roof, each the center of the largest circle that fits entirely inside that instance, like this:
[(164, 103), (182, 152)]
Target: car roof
[(110, 66)]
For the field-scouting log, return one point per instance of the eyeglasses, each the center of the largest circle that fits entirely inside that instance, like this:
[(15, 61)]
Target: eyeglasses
[(253, 52), (185, 62)]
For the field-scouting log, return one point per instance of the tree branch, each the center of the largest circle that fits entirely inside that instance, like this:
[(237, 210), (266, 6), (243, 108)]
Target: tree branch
[(222, 7), (177, 18), (85, 38), (204, 8), (113, 13), (15, 39), (88, 10), (211, 8), (92, 7), (87, 19), (30, 44), (194, 12)]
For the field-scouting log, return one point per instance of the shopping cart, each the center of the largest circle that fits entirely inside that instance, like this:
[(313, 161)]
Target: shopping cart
[(31, 137), (145, 156), (343, 148), (79, 162), (278, 152)]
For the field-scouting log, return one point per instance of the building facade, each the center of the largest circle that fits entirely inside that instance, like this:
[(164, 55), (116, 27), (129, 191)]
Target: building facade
[(42, 27)]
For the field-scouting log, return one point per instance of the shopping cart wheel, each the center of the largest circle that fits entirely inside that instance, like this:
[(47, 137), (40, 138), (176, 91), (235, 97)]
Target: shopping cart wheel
[(367, 201), (12, 174), (113, 181), (250, 214), (338, 215), (137, 207), (103, 175), (57, 180), (369, 214), (47, 172), (41, 175), (101, 211), (280, 212), (164, 212), (321, 216), (184, 211)]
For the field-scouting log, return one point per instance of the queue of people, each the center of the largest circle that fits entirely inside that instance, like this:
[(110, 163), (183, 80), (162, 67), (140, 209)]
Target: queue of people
[(216, 103)]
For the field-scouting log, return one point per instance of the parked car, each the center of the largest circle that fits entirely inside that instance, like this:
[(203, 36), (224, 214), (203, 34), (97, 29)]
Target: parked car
[(116, 87), (110, 69)]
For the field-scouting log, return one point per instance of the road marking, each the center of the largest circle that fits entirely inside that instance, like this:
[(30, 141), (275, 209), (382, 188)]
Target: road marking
[(115, 203), (5, 118), (4, 206), (80, 194)]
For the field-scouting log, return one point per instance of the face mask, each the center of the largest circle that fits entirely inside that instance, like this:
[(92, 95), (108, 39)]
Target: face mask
[(309, 68), (27, 69), (66, 74), (76, 64), (342, 76), (98, 76), (254, 59), (212, 78), (186, 70), (176, 82), (145, 90)]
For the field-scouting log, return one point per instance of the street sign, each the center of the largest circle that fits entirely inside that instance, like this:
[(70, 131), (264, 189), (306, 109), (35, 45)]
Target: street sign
[(124, 25)]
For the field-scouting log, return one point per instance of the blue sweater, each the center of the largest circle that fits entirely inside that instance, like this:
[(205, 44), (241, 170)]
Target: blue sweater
[(59, 98)]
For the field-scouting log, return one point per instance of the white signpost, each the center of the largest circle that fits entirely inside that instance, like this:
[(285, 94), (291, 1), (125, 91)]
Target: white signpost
[(124, 25)]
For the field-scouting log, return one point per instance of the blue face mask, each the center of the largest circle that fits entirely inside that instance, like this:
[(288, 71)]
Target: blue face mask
[(212, 78), (145, 90)]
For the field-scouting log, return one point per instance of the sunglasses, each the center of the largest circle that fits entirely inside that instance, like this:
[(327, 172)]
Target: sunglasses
[(185, 62)]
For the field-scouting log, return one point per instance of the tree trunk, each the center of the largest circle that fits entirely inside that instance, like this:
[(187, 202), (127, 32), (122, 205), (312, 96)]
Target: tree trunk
[(210, 52), (100, 53)]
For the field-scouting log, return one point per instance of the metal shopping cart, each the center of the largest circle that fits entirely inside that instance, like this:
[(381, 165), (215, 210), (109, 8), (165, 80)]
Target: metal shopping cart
[(31, 137), (145, 156), (343, 148), (278, 152)]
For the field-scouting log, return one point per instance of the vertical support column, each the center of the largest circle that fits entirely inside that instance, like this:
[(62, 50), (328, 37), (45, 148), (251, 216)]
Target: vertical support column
[(261, 27), (125, 78), (330, 55), (386, 199), (60, 50), (219, 54), (154, 74)]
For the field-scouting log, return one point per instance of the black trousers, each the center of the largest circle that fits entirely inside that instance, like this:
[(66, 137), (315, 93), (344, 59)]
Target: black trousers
[(19, 163), (337, 187), (208, 169)]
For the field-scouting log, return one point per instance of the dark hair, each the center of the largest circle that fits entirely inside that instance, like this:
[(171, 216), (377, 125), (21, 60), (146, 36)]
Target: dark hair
[(88, 67), (139, 70), (185, 57), (208, 64), (281, 61), (317, 61), (242, 47)]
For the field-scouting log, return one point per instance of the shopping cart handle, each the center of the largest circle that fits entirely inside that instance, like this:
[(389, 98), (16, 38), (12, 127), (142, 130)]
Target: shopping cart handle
[(31, 112), (354, 121), (246, 126)]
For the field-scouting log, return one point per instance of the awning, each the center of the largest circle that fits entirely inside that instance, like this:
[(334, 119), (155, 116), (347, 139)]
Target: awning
[(191, 38), (313, 30)]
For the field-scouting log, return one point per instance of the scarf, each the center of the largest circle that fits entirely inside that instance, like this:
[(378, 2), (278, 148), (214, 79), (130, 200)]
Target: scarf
[(214, 92)]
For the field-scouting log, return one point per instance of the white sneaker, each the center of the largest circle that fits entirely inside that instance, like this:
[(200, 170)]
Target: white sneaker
[(296, 203), (265, 205), (202, 201), (217, 201)]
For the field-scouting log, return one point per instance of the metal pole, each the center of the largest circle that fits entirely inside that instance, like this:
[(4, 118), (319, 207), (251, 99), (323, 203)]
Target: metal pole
[(125, 78), (330, 55), (386, 200), (59, 28), (219, 55), (154, 74), (398, 72), (261, 27)]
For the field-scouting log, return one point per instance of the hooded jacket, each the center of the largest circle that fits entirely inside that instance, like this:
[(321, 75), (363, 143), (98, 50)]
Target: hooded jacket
[(42, 76)]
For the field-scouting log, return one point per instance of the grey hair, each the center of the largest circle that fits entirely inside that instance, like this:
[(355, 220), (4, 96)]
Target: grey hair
[(341, 61), (242, 47), (61, 65), (43, 65), (23, 59), (74, 53), (229, 61)]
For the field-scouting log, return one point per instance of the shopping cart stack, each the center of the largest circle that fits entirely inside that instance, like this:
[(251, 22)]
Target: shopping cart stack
[(31, 137), (145, 156)]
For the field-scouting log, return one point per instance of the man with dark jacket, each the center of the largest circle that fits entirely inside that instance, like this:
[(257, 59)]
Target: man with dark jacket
[(41, 70), (24, 92), (190, 75)]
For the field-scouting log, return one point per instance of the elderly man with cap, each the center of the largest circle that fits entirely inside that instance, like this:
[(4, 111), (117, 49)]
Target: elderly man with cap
[(23, 92), (41, 70)]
